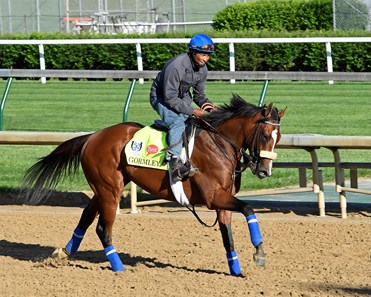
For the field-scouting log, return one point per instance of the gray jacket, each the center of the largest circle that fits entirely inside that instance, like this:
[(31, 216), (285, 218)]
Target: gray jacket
[(172, 84)]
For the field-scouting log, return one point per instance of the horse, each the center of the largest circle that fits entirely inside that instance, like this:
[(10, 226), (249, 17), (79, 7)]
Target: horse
[(236, 136)]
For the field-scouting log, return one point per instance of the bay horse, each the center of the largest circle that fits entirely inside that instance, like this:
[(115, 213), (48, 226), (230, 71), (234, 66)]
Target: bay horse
[(238, 135)]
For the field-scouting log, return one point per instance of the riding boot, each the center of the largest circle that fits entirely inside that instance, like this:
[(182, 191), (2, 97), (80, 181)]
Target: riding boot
[(177, 169)]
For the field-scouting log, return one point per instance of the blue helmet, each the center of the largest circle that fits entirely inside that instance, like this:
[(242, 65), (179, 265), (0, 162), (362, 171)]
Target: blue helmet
[(201, 43)]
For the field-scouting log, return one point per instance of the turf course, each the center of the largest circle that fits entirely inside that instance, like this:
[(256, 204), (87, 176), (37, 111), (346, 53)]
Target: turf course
[(312, 107)]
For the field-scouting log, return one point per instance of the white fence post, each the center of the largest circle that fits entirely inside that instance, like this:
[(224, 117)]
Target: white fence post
[(232, 62), (42, 61), (139, 60), (329, 60), (133, 198)]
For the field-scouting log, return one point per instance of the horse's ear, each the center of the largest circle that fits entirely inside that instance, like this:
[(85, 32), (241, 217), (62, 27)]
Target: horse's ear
[(282, 112), (268, 110)]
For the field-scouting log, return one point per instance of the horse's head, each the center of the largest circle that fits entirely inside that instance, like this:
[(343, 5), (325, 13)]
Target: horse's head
[(262, 140), (248, 127)]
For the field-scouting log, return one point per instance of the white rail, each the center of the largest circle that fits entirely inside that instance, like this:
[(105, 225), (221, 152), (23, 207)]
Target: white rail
[(230, 41), (308, 142), (213, 75)]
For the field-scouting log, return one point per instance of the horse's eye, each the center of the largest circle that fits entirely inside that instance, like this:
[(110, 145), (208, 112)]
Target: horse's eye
[(265, 137)]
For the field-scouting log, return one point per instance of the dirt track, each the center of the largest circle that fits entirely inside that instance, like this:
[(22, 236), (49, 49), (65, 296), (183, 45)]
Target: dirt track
[(168, 253)]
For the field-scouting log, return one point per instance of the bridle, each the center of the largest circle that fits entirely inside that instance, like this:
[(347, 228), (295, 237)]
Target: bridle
[(253, 158), (249, 159)]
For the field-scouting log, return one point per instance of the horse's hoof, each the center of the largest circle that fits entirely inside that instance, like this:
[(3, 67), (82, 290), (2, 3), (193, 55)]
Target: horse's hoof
[(60, 254), (241, 275), (259, 260)]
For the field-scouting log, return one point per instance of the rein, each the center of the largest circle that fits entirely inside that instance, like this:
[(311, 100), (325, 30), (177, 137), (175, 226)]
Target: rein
[(251, 159), (241, 150), (193, 211), (222, 135)]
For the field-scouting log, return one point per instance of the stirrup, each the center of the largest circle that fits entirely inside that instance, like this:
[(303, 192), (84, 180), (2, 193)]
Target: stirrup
[(192, 170), (178, 170), (179, 173)]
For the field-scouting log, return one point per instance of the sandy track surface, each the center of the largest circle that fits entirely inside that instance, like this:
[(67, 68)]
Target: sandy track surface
[(168, 253)]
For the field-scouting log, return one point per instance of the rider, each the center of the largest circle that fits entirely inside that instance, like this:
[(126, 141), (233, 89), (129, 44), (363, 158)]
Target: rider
[(171, 97)]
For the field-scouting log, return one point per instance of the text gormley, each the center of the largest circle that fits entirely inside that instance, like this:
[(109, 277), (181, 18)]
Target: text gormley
[(142, 161)]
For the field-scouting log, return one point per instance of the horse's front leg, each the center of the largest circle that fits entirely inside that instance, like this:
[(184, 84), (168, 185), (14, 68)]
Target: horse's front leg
[(226, 201), (225, 226), (255, 234)]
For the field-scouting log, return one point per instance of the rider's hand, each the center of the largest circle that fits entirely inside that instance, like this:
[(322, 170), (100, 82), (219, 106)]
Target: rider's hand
[(197, 112), (208, 107)]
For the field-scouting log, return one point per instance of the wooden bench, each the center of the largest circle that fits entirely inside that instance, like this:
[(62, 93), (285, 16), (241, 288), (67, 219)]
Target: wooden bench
[(312, 142), (303, 166)]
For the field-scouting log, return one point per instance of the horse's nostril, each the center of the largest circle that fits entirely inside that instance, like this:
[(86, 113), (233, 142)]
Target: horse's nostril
[(262, 174)]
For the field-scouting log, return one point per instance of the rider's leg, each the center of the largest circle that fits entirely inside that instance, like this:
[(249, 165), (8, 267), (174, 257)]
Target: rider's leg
[(177, 169), (176, 126)]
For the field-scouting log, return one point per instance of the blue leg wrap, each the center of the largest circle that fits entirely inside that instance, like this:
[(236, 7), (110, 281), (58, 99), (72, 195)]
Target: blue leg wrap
[(234, 264), (114, 259), (75, 241), (255, 235)]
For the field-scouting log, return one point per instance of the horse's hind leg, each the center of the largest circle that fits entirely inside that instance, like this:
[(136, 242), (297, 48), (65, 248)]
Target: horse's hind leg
[(104, 232), (225, 226), (109, 194), (88, 215)]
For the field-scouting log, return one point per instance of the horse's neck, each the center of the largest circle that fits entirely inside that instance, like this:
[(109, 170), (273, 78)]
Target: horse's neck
[(234, 130)]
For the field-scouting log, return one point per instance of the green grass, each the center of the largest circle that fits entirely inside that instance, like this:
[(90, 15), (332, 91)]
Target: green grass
[(312, 107)]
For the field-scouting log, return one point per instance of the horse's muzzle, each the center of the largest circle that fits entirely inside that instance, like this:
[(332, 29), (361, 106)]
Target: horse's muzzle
[(262, 168), (256, 170), (262, 174)]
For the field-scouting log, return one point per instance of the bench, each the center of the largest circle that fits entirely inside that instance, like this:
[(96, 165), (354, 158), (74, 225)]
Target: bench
[(312, 142)]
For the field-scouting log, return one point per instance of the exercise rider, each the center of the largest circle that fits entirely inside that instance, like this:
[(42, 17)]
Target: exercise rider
[(172, 98)]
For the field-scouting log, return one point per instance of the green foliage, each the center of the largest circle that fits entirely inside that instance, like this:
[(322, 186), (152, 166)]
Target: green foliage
[(352, 57), (252, 57), (279, 15)]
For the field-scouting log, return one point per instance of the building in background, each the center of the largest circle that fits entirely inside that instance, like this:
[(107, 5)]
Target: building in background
[(106, 16), (128, 16)]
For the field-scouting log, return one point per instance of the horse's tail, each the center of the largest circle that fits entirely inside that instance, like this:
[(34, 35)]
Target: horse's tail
[(40, 179)]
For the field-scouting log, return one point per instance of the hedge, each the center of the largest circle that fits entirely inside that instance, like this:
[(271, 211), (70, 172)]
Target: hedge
[(287, 15), (249, 57)]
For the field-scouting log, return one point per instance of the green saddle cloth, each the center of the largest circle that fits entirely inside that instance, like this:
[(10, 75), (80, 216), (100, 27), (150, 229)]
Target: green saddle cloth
[(144, 149)]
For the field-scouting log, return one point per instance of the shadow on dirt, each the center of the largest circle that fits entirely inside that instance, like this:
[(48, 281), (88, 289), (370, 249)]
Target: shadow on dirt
[(24, 251), (68, 199), (37, 253), (81, 199)]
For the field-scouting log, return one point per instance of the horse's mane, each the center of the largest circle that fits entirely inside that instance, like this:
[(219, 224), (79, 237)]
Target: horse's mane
[(237, 108)]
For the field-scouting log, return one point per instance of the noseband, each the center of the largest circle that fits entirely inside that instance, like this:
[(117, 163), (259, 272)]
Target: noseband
[(249, 160), (253, 157)]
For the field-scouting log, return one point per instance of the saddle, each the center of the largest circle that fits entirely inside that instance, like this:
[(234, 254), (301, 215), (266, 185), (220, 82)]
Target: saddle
[(192, 126), (148, 146), (190, 132)]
